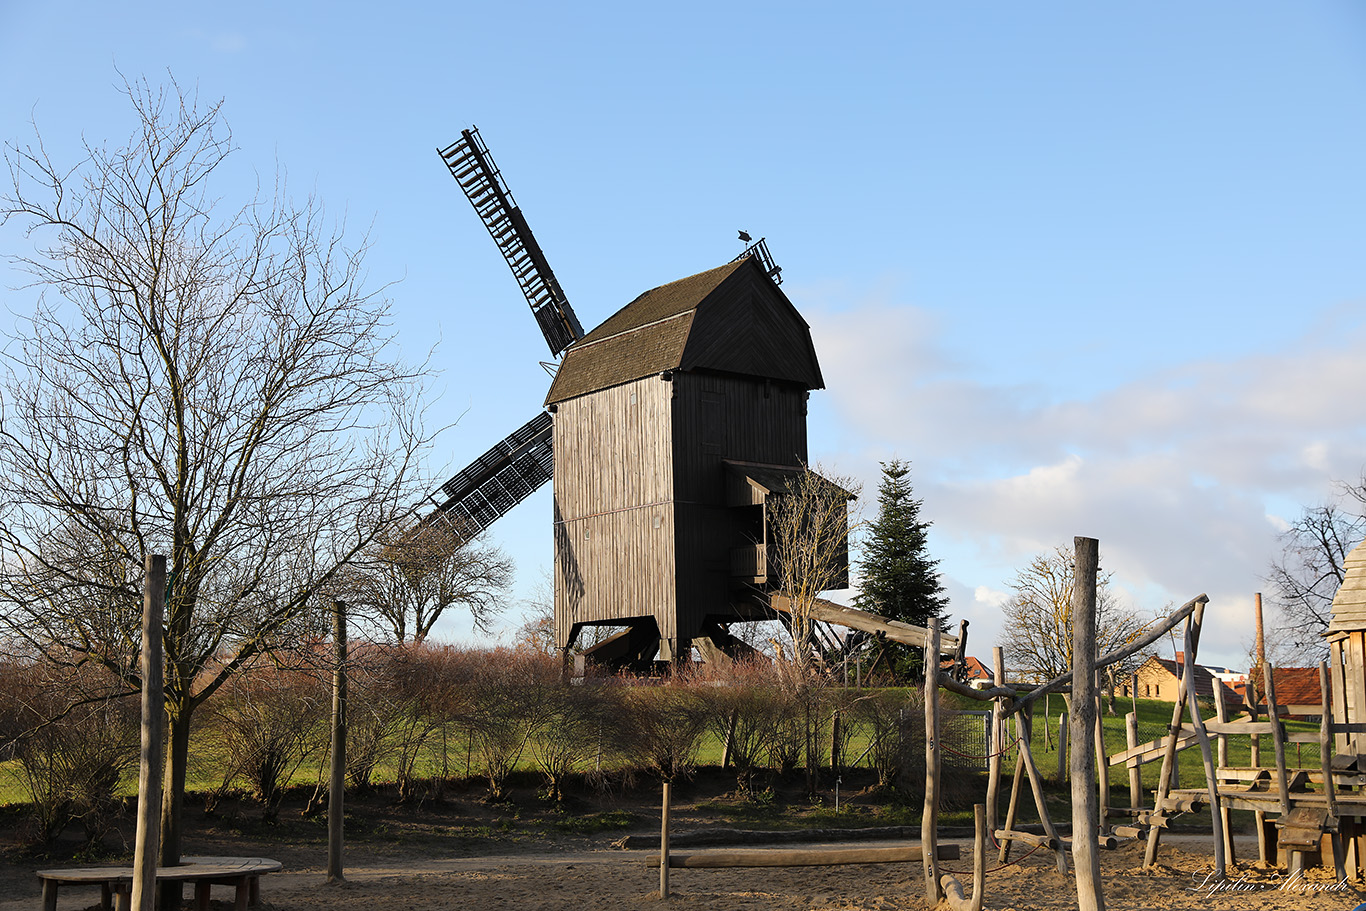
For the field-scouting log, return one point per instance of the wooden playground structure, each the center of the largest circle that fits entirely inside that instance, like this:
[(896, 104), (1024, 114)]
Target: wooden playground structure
[(1303, 817)]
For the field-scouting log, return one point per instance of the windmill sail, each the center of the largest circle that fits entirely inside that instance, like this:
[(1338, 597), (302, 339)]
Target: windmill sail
[(497, 481), (472, 167)]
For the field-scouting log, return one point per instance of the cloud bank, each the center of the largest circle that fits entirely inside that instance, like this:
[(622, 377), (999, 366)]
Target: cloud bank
[(1186, 473)]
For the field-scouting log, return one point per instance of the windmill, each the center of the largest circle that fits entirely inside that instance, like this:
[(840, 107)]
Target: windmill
[(669, 430), (522, 462)]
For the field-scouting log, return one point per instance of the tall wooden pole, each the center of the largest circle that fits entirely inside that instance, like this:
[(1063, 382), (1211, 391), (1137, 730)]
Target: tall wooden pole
[(148, 843), (336, 790), (1264, 850), (998, 676), (929, 819), (1085, 809)]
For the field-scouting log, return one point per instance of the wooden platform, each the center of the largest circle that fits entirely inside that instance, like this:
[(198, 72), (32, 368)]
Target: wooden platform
[(116, 883), (1352, 804)]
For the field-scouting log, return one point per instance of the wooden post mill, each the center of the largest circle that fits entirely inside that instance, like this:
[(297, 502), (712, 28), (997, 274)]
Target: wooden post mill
[(675, 421)]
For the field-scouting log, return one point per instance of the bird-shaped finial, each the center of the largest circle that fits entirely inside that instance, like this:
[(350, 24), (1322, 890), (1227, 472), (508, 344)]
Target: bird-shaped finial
[(744, 237)]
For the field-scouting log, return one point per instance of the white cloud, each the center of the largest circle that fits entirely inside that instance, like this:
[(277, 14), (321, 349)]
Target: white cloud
[(989, 597), (1176, 472)]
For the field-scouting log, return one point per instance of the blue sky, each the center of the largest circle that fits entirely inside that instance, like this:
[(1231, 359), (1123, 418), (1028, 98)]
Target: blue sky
[(1094, 269)]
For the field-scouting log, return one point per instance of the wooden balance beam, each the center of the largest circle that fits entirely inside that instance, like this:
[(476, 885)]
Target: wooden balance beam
[(801, 857)]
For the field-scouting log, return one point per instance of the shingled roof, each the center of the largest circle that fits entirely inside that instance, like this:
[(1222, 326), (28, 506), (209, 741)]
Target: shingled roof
[(1349, 604), (731, 318), (1294, 685)]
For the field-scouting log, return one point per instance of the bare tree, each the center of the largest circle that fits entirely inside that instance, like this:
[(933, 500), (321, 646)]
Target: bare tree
[(809, 527), (1038, 617), (416, 571), (216, 385), (1309, 571)]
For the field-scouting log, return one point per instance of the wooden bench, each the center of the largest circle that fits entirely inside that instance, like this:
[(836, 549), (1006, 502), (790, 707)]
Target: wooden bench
[(116, 883)]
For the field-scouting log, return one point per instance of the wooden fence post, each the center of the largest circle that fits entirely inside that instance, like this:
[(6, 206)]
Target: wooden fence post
[(148, 843), (1063, 743), (1135, 763), (1085, 820), (664, 844), (336, 790)]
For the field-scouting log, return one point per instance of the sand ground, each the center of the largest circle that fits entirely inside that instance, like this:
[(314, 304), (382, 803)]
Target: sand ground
[(617, 880)]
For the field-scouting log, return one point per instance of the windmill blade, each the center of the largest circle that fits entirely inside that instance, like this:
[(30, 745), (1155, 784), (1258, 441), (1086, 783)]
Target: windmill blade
[(472, 167), (498, 480)]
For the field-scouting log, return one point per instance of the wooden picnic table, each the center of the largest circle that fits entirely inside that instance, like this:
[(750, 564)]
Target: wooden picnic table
[(116, 883)]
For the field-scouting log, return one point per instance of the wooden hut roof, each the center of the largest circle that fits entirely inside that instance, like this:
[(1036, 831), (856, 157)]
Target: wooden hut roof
[(1349, 604), (731, 319)]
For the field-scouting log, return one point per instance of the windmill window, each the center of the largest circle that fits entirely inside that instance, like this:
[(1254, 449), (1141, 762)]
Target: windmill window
[(633, 398), (658, 521)]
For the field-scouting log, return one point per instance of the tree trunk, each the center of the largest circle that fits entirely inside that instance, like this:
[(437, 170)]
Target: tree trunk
[(173, 798)]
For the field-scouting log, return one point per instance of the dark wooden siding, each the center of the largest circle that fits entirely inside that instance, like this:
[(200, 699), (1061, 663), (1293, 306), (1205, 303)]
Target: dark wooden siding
[(747, 326), (727, 417), (716, 418), (614, 515)]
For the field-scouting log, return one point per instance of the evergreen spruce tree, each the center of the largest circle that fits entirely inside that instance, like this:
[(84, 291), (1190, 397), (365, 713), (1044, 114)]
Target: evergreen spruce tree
[(900, 580)]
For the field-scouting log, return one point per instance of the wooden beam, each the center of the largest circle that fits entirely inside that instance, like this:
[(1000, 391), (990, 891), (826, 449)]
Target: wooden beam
[(1040, 804), (1206, 754), (147, 844), (1169, 755), (906, 633), (1325, 765), (1119, 654), (1082, 721), (1277, 739), (799, 857), (997, 740), (1153, 748), (929, 820), (953, 891), (1135, 764)]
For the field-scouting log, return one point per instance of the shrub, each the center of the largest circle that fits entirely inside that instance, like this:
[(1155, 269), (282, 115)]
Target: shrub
[(893, 721), (74, 732), (576, 732), (268, 721), (747, 709), (661, 728), (511, 695)]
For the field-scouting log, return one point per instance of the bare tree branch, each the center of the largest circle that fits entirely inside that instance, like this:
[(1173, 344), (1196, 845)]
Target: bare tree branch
[(1306, 576), (217, 385)]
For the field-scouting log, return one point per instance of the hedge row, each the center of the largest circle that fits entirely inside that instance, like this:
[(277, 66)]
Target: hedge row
[(420, 715)]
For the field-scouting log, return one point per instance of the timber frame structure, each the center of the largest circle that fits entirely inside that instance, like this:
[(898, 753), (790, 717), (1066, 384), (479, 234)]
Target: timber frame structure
[(1303, 816)]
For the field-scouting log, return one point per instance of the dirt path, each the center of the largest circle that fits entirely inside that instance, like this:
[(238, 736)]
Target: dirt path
[(611, 880)]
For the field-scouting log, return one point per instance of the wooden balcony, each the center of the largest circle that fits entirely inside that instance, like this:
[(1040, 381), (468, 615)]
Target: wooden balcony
[(749, 562)]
